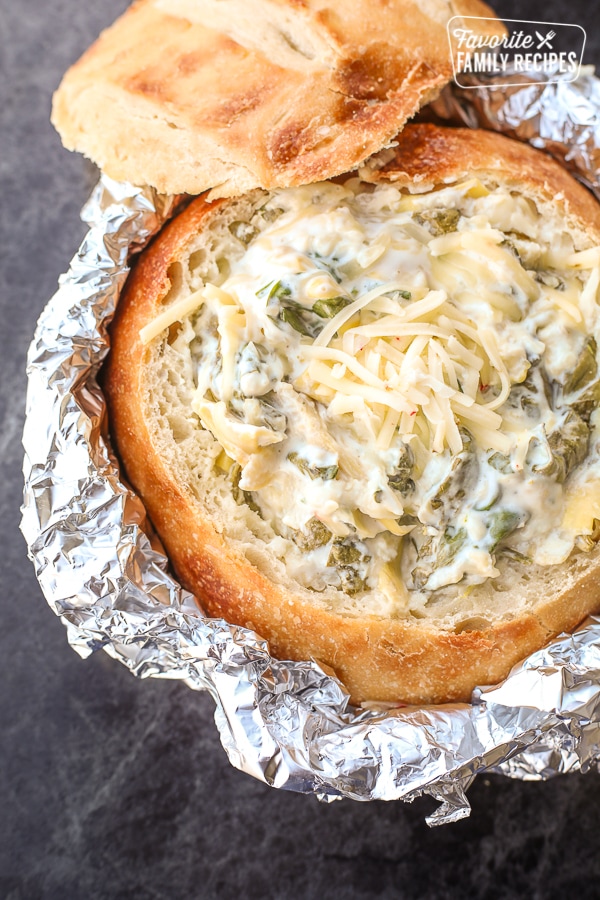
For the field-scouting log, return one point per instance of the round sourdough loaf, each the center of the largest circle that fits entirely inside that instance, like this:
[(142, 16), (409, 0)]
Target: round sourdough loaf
[(393, 629)]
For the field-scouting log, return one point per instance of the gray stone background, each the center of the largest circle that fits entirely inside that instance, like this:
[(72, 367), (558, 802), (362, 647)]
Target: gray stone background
[(113, 788)]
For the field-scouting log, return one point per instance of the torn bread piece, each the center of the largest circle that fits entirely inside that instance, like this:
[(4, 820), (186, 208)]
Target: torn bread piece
[(272, 94), (363, 415)]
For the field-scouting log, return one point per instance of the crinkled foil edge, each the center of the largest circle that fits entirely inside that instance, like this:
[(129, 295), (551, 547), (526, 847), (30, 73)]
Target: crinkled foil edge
[(289, 724)]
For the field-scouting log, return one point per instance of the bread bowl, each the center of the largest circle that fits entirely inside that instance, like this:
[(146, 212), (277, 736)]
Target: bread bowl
[(362, 414)]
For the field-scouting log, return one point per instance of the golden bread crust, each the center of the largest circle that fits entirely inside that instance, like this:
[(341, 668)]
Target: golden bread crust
[(429, 154), (397, 660), (166, 101)]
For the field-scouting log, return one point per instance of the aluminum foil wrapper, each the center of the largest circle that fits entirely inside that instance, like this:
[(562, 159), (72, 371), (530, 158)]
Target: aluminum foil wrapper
[(289, 724)]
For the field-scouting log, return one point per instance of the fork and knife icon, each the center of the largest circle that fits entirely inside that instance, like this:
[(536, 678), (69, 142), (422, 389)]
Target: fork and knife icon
[(545, 41)]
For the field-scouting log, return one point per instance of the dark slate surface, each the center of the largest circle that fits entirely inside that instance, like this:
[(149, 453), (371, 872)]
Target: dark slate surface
[(114, 788)]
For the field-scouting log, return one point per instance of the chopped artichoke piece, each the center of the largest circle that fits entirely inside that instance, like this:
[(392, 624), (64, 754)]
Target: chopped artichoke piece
[(501, 524), (327, 473), (525, 396), (524, 249), (462, 476), (439, 221), (586, 369), (436, 552), (501, 463), (568, 448), (407, 520), (315, 536), (510, 245), (258, 371), (550, 280), (261, 413), (453, 540), (587, 401), (588, 542), (242, 497), (400, 479), (351, 581), (346, 557), (344, 553)]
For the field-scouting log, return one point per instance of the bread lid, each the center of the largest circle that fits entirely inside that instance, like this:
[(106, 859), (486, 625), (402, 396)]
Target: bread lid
[(276, 93)]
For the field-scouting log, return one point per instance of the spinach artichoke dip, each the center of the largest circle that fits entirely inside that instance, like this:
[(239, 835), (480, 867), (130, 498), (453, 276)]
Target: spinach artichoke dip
[(401, 387)]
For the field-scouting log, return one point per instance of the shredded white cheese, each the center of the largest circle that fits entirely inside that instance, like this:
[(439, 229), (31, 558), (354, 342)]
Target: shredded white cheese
[(356, 359), (175, 312)]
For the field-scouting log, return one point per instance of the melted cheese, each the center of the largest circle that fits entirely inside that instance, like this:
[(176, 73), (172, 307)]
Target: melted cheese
[(371, 337)]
